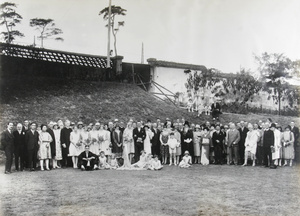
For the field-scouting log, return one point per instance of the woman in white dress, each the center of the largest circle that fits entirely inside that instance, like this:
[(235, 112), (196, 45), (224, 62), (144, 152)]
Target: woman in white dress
[(128, 142), (45, 150), (251, 144), (58, 152), (103, 139), (75, 144), (94, 139), (277, 154), (147, 142)]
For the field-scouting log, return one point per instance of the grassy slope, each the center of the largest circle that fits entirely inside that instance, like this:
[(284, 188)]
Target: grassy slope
[(44, 99)]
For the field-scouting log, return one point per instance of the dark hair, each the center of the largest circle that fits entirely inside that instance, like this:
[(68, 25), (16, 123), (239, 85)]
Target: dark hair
[(206, 128), (289, 127), (155, 156), (33, 123), (42, 125)]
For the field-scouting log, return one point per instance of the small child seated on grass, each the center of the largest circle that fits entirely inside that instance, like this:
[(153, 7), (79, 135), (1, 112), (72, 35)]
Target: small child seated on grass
[(186, 161)]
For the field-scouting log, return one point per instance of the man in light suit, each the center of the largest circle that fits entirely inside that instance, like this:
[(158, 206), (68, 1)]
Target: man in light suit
[(32, 146), (232, 140), (7, 144)]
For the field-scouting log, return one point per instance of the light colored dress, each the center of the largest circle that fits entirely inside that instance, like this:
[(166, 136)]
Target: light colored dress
[(58, 153), (205, 143), (114, 164), (128, 140), (104, 145), (95, 146), (178, 148), (147, 143), (45, 149), (74, 149), (103, 163), (251, 142), (277, 145), (141, 163), (196, 141), (186, 161), (288, 145), (86, 140)]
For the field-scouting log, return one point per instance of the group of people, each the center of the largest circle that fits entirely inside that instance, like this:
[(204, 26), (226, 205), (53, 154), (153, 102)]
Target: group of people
[(147, 145)]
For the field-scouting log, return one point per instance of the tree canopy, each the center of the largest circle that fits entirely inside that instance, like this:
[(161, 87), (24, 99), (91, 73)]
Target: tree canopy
[(9, 17), (47, 29), (115, 11)]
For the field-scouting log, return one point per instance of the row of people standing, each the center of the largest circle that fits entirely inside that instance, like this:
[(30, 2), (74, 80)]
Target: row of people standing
[(206, 143)]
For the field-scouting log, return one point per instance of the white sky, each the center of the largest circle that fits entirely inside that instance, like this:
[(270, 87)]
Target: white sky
[(223, 34)]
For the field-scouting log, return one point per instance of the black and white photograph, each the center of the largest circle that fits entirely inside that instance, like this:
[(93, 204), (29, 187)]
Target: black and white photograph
[(149, 107)]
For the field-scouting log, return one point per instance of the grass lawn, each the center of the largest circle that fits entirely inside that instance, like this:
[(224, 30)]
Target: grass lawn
[(200, 190)]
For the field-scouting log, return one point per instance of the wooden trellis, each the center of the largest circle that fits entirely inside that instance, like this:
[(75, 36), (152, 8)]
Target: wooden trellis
[(53, 56)]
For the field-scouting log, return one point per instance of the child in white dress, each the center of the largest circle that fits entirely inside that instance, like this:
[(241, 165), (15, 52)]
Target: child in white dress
[(103, 161), (173, 144), (113, 162), (142, 162), (186, 161)]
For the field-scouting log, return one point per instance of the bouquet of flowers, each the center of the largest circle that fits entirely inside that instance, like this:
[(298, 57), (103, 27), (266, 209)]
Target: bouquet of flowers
[(139, 139), (94, 140), (272, 149), (101, 139), (79, 143)]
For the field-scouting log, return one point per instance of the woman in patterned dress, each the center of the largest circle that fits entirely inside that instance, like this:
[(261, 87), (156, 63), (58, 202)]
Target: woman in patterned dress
[(164, 148)]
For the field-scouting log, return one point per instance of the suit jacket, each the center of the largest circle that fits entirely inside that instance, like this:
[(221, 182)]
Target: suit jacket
[(233, 136), (218, 136), (7, 140), (52, 144), (268, 138), (216, 108), (31, 140), (155, 139), (295, 130), (243, 135), (65, 136), (19, 141), (139, 134), (90, 154), (117, 139)]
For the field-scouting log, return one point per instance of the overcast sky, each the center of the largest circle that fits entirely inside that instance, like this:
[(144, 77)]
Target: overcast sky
[(222, 34)]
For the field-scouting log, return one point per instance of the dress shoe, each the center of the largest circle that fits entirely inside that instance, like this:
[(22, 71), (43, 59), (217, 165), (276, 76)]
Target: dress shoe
[(32, 169), (7, 172)]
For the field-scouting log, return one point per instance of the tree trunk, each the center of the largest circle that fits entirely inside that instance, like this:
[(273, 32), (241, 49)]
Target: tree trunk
[(279, 103)]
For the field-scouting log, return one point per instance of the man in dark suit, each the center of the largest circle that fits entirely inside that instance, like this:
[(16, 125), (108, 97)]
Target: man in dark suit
[(87, 159), (32, 146), (243, 134), (65, 143), (295, 131), (139, 136), (26, 126), (155, 148), (19, 147), (52, 144), (268, 143), (215, 110), (7, 144)]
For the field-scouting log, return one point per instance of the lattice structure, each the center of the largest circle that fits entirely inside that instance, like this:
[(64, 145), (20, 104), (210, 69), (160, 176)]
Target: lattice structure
[(53, 56)]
